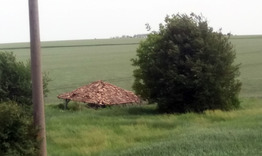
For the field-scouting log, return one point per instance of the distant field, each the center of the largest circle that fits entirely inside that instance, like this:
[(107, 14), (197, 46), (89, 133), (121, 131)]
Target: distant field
[(71, 64), (249, 54)]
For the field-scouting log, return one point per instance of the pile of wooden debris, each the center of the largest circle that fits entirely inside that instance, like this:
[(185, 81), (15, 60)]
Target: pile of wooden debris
[(101, 93)]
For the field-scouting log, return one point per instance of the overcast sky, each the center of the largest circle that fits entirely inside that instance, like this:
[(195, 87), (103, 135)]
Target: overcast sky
[(88, 19)]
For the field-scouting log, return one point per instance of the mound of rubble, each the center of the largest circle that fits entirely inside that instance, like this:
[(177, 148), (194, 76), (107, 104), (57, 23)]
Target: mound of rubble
[(101, 93)]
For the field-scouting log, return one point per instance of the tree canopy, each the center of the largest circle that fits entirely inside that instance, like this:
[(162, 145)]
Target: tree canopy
[(187, 66)]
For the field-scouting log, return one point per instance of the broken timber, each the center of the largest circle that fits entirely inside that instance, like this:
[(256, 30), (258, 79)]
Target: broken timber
[(100, 93)]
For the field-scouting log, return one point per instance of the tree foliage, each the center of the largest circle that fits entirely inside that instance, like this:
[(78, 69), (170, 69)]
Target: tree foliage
[(15, 80), (187, 66), (17, 134)]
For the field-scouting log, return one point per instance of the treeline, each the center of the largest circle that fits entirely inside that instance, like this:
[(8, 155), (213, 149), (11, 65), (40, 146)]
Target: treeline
[(128, 36)]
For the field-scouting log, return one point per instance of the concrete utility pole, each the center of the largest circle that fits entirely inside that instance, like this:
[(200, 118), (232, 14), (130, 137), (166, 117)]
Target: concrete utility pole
[(37, 88)]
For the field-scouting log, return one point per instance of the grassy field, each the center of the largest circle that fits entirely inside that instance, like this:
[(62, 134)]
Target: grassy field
[(140, 130), (249, 54), (71, 64)]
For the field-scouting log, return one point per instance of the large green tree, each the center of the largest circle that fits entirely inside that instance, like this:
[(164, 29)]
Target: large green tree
[(186, 66)]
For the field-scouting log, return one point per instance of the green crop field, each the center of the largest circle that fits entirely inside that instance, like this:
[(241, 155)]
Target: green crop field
[(249, 54), (140, 130), (71, 64)]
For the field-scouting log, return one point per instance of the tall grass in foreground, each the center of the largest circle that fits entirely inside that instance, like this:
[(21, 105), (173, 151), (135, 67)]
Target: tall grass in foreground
[(140, 130)]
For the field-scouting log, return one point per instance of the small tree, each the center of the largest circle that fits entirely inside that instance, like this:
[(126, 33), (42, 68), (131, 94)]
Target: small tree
[(186, 66), (15, 80)]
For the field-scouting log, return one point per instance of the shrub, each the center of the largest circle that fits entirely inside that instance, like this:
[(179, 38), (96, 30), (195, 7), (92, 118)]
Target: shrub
[(15, 80), (17, 135), (186, 66)]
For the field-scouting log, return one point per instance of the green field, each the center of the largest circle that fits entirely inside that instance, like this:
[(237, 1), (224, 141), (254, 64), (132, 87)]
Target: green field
[(140, 130), (249, 54), (71, 64)]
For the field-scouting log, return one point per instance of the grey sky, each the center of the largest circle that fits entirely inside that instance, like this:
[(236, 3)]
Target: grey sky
[(88, 19)]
